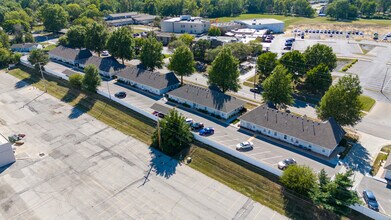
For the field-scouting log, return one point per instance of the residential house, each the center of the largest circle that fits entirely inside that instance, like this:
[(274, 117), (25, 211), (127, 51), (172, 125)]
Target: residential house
[(25, 47), (211, 101), (150, 81), (319, 137), (107, 66), (69, 55)]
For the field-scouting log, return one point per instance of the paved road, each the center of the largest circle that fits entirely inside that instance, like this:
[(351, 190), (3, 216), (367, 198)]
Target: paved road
[(378, 121), (75, 167)]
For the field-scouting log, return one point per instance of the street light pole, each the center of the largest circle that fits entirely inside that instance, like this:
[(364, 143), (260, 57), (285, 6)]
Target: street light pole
[(43, 78)]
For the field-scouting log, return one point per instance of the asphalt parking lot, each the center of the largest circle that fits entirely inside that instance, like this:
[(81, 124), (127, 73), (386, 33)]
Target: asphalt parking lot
[(381, 192), (79, 168)]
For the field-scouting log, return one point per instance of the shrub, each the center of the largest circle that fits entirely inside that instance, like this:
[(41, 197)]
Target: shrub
[(76, 80)]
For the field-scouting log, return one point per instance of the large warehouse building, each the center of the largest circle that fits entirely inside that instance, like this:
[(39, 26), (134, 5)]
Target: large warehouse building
[(273, 25)]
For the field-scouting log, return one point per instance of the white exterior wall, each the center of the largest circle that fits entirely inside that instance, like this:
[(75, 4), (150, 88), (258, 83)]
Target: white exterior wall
[(195, 27), (148, 88), (61, 59), (277, 27), (103, 73), (286, 138), (201, 107), (6, 154)]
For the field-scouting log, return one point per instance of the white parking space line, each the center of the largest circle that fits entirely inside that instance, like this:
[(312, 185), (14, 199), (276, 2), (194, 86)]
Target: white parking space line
[(270, 158), (259, 212), (263, 152)]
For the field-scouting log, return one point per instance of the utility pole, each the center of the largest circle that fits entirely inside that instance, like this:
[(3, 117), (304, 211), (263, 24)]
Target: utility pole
[(255, 76), (158, 135), (108, 90)]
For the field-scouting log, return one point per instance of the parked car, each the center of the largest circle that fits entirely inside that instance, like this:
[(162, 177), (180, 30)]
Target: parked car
[(282, 165), (246, 145), (255, 90), (207, 131), (158, 114), (370, 199), (105, 53), (189, 121), (287, 48), (196, 126), (120, 95)]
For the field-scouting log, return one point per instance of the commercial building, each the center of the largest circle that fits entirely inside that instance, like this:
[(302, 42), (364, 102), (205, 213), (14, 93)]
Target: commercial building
[(319, 137), (214, 102), (128, 18), (25, 47), (185, 24), (166, 38), (69, 55), (149, 81), (6, 152), (227, 26), (273, 25)]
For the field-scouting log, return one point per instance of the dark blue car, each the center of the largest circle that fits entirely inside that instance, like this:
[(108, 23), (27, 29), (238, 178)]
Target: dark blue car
[(207, 131), (370, 199)]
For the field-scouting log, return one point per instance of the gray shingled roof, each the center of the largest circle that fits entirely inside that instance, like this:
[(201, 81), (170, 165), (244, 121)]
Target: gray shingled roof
[(209, 98), (128, 14), (107, 64), (148, 78), (25, 45), (326, 134), (119, 20), (70, 53)]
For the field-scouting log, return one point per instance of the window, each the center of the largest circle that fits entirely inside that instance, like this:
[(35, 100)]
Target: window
[(297, 141), (323, 151), (275, 133), (292, 139), (264, 130), (309, 146), (268, 132), (285, 137)]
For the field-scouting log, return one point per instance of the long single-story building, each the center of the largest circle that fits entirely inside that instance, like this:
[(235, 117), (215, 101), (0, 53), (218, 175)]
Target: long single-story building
[(69, 55), (25, 47), (319, 137), (146, 80), (211, 101), (107, 66), (259, 24), (128, 18)]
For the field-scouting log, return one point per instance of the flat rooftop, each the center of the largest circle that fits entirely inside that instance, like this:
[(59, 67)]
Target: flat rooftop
[(261, 21), (192, 20), (3, 140)]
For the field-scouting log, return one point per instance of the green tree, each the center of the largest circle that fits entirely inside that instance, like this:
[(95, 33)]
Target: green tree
[(320, 54), (240, 50), (76, 36), (76, 80), (121, 44), (224, 71), (300, 179), (214, 31), (199, 48), (91, 79), (38, 57), (91, 12), (318, 79), (182, 62), (294, 62), (211, 54), (186, 38), (151, 53), (4, 40), (384, 5), (175, 44), (28, 38), (54, 17), (342, 9), (175, 134), (266, 63), (96, 37), (74, 11), (4, 57), (303, 8), (63, 41), (83, 21), (256, 47), (278, 88), (368, 8), (342, 102)]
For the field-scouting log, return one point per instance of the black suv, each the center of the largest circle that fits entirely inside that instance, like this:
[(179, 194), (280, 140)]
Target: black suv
[(120, 95), (196, 126)]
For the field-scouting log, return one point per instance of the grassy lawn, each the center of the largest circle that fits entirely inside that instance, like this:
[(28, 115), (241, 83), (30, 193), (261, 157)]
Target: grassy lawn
[(250, 106), (257, 184), (167, 55), (38, 28), (49, 47), (386, 149), (289, 20), (367, 102), (376, 165)]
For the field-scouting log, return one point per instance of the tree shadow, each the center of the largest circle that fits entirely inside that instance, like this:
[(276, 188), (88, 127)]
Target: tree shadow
[(359, 159), (299, 207), (162, 164), (71, 95), (84, 105)]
